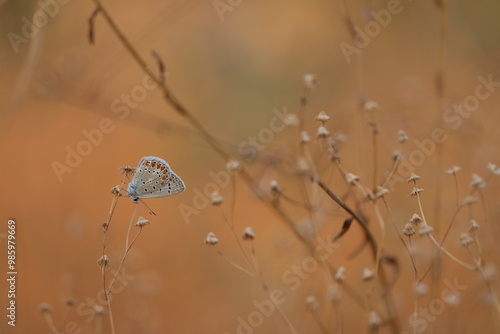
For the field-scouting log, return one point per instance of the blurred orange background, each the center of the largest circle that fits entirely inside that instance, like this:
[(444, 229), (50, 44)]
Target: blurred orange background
[(231, 74)]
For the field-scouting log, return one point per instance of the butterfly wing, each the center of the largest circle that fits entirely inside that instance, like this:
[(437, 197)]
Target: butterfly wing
[(151, 176), (173, 186)]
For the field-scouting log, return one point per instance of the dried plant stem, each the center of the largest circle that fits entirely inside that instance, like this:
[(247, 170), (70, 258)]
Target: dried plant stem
[(50, 322), (234, 264)]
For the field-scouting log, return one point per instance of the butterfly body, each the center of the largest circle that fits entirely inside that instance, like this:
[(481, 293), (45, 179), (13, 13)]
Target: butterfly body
[(154, 178)]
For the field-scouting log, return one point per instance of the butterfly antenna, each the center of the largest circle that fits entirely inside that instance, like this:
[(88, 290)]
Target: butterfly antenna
[(151, 212)]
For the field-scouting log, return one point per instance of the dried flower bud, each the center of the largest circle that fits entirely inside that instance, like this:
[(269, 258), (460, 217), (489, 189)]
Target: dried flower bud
[(402, 137), (421, 289), (334, 292), (414, 177), (211, 239), (304, 137), (248, 234), (44, 308), (340, 275), (474, 226), (141, 222), (322, 132), (396, 155), (477, 182), (302, 165), (381, 192), (465, 240), (275, 188), (322, 117), (453, 170), (291, 120), (408, 230), (416, 219), (416, 191), (127, 171), (374, 320), (312, 303), (367, 274), (424, 230), (351, 178), (216, 198), (493, 168), (309, 80), (115, 191), (489, 272), (103, 261), (370, 105), (233, 167), (98, 309), (469, 200)]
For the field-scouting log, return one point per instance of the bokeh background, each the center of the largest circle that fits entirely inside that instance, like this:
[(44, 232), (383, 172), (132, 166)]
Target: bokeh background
[(231, 74)]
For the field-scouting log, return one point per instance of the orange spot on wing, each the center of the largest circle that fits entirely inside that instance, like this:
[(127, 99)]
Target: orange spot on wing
[(164, 178), (153, 164)]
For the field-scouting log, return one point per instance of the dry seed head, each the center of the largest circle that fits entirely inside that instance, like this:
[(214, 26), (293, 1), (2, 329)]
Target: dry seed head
[(127, 171), (424, 230), (413, 178), (302, 165), (374, 320), (477, 182), (322, 132), (489, 272), (233, 167), (474, 226), (340, 275), (416, 219), (115, 190), (322, 117), (98, 309), (304, 137), (381, 192), (211, 239), (494, 168), (44, 308), (334, 292), (103, 261), (141, 222), (248, 234), (453, 170), (291, 120), (409, 230), (421, 289), (465, 240), (275, 188), (468, 200), (309, 80), (367, 274), (351, 178), (370, 105), (402, 137), (397, 155), (216, 198), (416, 191), (312, 303)]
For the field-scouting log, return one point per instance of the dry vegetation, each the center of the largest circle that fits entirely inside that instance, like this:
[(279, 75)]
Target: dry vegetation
[(367, 202)]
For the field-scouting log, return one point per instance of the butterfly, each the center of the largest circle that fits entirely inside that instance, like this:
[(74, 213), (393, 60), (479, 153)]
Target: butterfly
[(154, 178)]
